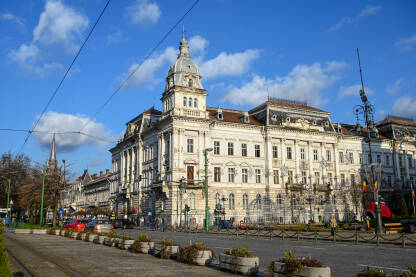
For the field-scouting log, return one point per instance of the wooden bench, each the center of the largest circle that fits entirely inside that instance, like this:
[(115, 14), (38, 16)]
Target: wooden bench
[(393, 228)]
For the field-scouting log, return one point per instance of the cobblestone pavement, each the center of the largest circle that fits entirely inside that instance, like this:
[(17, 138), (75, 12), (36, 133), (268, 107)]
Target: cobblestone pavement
[(89, 259)]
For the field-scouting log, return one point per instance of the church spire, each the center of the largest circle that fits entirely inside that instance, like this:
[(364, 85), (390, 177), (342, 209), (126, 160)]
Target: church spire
[(183, 46), (52, 157)]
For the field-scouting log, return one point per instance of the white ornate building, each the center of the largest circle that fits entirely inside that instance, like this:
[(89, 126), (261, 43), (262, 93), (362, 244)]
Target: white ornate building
[(281, 161)]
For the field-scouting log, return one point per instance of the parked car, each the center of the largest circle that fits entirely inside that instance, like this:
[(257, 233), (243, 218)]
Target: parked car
[(99, 225), (225, 224), (77, 224), (123, 223)]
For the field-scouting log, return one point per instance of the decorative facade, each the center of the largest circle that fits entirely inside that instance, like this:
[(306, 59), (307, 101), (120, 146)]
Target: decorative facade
[(282, 161)]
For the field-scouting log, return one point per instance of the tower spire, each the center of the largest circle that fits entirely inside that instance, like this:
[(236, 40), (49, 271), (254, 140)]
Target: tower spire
[(183, 46), (52, 157)]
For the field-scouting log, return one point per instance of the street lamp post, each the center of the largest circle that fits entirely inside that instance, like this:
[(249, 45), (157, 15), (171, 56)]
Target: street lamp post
[(43, 190), (367, 110), (206, 189)]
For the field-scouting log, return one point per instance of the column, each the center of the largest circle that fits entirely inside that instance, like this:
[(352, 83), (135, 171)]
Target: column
[(122, 167), (161, 154), (336, 162), (323, 158), (310, 157), (171, 147), (283, 155), (406, 163), (296, 156), (396, 158), (268, 159)]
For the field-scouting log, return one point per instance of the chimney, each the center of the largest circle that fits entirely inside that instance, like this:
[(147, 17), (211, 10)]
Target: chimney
[(94, 175), (107, 171), (101, 173)]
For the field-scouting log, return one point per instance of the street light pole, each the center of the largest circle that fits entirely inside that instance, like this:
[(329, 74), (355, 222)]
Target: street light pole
[(8, 199), (206, 189), (368, 110), (43, 191)]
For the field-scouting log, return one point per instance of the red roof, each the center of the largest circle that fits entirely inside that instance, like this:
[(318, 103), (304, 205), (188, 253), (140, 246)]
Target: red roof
[(152, 110), (234, 116)]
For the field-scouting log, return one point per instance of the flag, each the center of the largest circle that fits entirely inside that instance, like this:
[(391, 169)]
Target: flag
[(365, 182), (375, 185)]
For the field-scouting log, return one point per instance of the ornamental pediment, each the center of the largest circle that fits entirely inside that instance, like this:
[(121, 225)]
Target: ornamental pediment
[(230, 164), (190, 161), (244, 164)]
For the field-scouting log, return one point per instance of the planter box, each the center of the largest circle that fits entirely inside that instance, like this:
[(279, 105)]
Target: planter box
[(111, 241), (245, 266), (22, 231), (146, 247), (40, 231), (101, 239), (126, 244), (74, 235), (280, 269), (62, 232), (203, 257), (172, 251), (57, 233), (92, 237), (83, 235)]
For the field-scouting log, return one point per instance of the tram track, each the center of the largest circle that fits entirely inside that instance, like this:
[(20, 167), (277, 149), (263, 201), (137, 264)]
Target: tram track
[(30, 262)]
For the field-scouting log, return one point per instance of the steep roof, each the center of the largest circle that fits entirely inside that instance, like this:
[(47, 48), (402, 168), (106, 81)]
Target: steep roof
[(293, 104), (234, 116), (152, 110)]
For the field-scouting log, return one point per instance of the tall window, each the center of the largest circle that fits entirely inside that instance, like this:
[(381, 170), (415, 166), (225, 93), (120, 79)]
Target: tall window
[(190, 83), (190, 174), (315, 154), (279, 199), (190, 146), (244, 150), (342, 179), (231, 205), (216, 147), (341, 157), (317, 177), (244, 175), (352, 177), (290, 177), (257, 151), (258, 176), (230, 148), (217, 198), (217, 174), (289, 153), (258, 201), (195, 103), (231, 175), (351, 158), (400, 161), (328, 155), (276, 177), (409, 158), (304, 178), (378, 158), (192, 201), (245, 201), (184, 101), (330, 177), (302, 153), (190, 102), (387, 160), (274, 152)]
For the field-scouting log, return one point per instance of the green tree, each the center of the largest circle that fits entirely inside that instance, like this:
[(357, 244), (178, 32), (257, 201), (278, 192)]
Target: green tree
[(403, 208)]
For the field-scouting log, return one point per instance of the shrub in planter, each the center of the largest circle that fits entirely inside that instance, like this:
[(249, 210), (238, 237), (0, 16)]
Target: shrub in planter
[(166, 249), (239, 260), (90, 236), (196, 253), (97, 237), (126, 242), (143, 244), (67, 233), (74, 234), (298, 266), (79, 235), (112, 239), (53, 231)]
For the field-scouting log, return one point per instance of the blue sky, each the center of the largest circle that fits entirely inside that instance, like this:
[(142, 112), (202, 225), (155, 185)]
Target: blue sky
[(304, 50)]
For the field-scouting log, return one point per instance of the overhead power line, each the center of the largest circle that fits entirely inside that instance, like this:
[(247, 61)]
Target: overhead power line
[(63, 78), (123, 83)]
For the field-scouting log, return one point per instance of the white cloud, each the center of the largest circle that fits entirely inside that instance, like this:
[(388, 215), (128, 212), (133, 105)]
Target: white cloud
[(115, 37), (353, 90), (229, 64), (406, 44), (145, 75), (61, 122), (367, 11), (143, 12), (197, 45), (58, 25), (398, 85), (405, 106), (12, 18), (304, 82)]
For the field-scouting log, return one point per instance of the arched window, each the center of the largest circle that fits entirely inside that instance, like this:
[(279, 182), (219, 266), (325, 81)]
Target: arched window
[(195, 103), (192, 204), (245, 201), (217, 198), (190, 83), (258, 201), (231, 202), (190, 102), (184, 101)]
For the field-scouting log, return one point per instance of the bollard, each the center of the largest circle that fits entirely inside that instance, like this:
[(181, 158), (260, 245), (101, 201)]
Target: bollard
[(271, 231), (297, 234), (283, 234), (403, 241), (356, 237), (316, 236)]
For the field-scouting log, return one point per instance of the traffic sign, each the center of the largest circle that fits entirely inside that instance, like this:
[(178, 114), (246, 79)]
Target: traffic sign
[(60, 211), (11, 202), (149, 213)]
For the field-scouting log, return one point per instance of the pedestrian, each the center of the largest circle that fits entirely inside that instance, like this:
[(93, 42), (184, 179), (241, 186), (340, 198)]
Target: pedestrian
[(333, 224)]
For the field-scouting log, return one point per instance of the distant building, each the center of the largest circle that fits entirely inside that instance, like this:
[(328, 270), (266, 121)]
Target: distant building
[(282, 161)]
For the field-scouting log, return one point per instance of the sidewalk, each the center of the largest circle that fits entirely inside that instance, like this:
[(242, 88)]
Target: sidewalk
[(88, 259)]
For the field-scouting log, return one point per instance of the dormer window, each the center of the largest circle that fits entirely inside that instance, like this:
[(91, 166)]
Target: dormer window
[(190, 83), (184, 101), (245, 117), (195, 103), (219, 114), (274, 117), (288, 119)]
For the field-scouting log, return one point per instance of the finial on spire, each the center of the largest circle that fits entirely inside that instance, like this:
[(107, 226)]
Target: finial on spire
[(183, 32), (52, 157)]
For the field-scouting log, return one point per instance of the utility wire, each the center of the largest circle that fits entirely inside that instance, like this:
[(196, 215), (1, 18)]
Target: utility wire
[(64, 77), (140, 64)]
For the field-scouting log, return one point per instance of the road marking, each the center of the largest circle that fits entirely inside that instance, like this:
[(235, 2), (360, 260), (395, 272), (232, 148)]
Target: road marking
[(311, 247), (390, 268)]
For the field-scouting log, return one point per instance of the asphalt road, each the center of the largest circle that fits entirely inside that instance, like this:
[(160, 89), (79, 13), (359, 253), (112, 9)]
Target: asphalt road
[(344, 259)]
